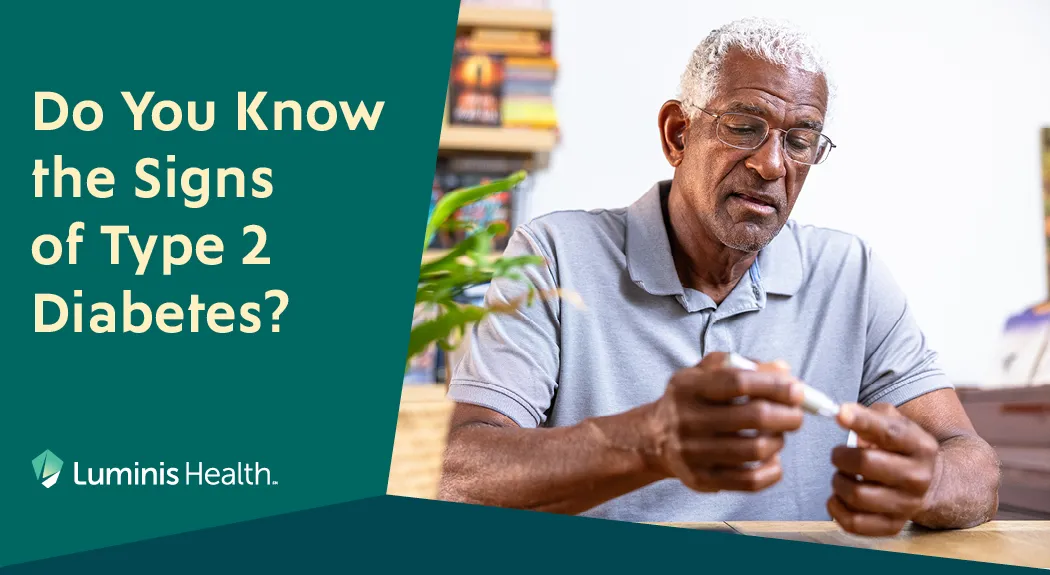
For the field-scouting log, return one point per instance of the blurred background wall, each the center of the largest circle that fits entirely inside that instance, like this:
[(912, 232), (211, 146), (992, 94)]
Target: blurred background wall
[(937, 119)]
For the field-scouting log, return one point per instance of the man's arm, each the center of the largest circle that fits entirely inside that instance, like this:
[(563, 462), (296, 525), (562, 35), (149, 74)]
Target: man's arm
[(965, 487), (492, 461), (690, 433), (923, 462)]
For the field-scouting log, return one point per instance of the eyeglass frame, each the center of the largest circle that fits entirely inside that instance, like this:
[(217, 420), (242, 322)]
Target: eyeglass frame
[(766, 137)]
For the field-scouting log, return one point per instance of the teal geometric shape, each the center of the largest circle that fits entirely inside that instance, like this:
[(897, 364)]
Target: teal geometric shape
[(46, 464)]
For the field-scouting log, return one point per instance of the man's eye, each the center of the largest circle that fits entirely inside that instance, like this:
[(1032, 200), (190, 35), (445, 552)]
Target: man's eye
[(741, 129), (800, 143)]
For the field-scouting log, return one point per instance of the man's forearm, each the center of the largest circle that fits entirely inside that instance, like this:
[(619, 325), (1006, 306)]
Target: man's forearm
[(965, 489), (561, 470)]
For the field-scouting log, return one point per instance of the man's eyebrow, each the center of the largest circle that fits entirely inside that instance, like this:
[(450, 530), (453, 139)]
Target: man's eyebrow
[(746, 109), (815, 125)]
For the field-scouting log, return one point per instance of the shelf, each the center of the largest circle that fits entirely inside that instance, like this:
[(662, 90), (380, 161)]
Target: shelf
[(431, 255), (483, 17), (519, 140)]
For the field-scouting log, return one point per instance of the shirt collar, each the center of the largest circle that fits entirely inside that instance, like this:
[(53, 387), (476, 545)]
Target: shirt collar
[(651, 266), (649, 260), (780, 263)]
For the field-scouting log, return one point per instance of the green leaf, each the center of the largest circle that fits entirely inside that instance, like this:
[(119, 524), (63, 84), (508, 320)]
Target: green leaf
[(452, 201), (441, 327), (468, 246), (470, 263)]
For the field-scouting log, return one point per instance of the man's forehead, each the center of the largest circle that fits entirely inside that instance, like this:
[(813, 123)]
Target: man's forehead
[(779, 86)]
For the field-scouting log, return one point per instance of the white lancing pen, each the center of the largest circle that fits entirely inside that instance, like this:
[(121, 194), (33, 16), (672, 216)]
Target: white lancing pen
[(813, 400)]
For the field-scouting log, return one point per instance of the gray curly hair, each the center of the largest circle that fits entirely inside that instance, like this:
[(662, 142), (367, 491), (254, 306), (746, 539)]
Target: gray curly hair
[(775, 41)]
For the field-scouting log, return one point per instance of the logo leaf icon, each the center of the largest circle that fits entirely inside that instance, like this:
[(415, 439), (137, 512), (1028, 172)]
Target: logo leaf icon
[(47, 466)]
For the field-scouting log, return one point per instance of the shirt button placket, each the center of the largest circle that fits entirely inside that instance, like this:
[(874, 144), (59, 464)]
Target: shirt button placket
[(716, 338), (705, 332)]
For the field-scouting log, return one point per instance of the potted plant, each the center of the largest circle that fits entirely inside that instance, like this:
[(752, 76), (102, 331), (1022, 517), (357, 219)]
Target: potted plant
[(423, 418)]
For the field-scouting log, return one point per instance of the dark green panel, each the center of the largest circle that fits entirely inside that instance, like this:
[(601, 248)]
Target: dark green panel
[(314, 403)]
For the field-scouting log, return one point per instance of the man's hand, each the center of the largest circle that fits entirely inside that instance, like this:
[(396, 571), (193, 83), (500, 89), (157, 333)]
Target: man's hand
[(718, 429), (896, 461)]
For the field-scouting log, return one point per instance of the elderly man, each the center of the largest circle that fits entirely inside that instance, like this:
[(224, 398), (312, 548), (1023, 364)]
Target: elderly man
[(623, 408)]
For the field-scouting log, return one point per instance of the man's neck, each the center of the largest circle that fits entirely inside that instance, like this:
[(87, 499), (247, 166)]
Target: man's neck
[(703, 262)]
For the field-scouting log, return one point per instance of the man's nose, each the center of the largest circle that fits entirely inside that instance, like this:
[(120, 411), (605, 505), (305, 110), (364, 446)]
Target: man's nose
[(768, 159)]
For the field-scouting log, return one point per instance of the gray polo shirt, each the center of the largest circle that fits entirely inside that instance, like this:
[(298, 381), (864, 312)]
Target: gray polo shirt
[(814, 297)]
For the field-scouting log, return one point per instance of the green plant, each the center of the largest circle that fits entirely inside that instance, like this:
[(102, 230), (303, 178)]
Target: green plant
[(470, 263)]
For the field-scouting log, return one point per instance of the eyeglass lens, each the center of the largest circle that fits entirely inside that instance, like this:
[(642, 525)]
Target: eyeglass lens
[(749, 132)]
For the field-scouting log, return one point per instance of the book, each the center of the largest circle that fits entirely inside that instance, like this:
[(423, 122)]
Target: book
[(466, 170), (475, 89), (487, 211)]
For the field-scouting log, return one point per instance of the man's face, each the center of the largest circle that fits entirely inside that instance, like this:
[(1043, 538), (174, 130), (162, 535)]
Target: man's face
[(744, 197)]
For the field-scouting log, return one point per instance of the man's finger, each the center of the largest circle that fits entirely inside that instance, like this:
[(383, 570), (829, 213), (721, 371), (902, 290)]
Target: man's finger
[(724, 385), (779, 366), (717, 360), (885, 409), (744, 478), (888, 431), (713, 360), (758, 414), (867, 497), (879, 466), (870, 524), (713, 451)]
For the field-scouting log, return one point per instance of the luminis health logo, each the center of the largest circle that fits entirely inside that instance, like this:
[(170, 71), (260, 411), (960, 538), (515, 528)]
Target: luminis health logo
[(47, 466)]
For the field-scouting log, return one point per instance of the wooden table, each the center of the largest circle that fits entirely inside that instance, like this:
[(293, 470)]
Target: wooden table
[(1023, 543)]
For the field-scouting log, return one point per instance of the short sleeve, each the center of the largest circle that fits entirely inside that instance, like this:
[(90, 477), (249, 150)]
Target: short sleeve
[(511, 360), (898, 363)]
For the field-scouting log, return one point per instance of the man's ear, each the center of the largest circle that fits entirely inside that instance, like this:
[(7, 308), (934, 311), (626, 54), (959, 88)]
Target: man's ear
[(674, 127)]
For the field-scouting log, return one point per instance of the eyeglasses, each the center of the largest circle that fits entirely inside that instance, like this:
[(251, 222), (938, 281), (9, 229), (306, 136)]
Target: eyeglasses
[(747, 132)]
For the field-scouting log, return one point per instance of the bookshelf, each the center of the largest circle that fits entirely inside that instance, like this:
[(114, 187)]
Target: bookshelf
[(502, 62), (478, 16), (516, 141)]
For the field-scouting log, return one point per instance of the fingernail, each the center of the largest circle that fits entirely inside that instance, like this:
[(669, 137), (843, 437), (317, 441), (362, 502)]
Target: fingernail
[(846, 415)]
